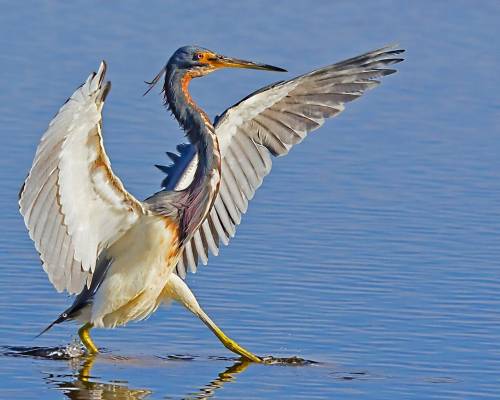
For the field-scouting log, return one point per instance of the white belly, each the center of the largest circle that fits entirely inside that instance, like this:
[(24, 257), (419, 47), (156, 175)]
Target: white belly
[(143, 259)]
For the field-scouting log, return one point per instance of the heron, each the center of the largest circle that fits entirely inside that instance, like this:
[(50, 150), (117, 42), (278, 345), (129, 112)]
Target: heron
[(121, 257)]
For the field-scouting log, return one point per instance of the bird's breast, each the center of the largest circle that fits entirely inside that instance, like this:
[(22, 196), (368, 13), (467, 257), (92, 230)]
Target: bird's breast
[(143, 259)]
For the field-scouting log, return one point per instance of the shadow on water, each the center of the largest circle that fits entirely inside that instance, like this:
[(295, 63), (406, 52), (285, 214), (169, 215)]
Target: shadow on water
[(84, 385)]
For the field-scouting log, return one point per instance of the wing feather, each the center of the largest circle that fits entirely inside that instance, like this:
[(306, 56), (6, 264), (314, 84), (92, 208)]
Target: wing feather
[(200, 246), (72, 203), (239, 162), (211, 236), (215, 219)]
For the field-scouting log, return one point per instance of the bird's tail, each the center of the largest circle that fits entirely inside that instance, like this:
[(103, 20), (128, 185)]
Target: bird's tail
[(85, 296)]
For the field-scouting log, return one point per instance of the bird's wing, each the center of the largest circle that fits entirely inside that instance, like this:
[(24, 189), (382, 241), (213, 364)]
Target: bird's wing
[(269, 122), (72, 203)]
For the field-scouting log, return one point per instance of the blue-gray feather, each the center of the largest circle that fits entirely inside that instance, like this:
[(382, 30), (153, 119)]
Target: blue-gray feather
[(178, 166)]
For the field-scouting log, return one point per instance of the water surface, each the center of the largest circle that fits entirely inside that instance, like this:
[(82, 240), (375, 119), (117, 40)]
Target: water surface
[(372, 249)]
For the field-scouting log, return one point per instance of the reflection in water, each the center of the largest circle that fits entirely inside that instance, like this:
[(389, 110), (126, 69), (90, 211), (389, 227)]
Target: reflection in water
[(228, 375), (83, 385), (85, 388)]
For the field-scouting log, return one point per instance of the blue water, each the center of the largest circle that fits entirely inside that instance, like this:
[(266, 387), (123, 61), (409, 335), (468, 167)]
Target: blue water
[(372, 249)]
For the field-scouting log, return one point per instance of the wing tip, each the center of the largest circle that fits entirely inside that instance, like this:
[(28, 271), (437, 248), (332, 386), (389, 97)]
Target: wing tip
[(95, 84), (394, 48), (101, 72)]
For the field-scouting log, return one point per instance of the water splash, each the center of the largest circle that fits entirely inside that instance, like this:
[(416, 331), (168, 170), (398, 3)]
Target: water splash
[(70, 351), (295, 361)]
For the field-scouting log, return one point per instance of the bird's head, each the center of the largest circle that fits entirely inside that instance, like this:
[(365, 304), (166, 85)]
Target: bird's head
[(198, 61)]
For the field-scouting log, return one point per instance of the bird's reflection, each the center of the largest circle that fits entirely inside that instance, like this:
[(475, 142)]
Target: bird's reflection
[(85, 386), (228, 375)]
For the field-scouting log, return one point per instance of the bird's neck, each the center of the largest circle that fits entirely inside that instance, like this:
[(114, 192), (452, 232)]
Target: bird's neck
[(190, 116), (201, 133)]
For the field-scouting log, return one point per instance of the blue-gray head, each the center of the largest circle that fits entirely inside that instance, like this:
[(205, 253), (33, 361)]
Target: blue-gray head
[(198, 61), (202, 61)]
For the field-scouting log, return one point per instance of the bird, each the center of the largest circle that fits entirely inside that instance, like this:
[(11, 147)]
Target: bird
[(122, 257)]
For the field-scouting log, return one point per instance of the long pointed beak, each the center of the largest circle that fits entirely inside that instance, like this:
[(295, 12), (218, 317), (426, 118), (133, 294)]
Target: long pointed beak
[(228, 62)]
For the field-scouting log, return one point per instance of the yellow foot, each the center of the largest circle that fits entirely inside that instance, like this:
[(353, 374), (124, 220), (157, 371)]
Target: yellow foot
[(236, 348), (227, 341), (84, 333)]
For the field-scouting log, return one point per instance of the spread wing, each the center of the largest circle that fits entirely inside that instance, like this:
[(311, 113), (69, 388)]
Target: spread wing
[(269, 123), (72, 203)]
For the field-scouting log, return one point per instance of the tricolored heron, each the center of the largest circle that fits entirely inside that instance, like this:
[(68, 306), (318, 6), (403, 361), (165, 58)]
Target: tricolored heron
[(124, 257)]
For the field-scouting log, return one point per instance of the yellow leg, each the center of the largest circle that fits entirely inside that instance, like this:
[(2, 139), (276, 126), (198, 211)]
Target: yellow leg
[(176, 289), (227, 341), (84, 333)]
